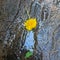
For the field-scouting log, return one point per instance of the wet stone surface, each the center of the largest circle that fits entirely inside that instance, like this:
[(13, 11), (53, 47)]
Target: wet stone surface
[(15, 40)]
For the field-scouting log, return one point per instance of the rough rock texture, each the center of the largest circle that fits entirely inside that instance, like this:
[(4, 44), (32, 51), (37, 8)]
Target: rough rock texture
[(13, 35)]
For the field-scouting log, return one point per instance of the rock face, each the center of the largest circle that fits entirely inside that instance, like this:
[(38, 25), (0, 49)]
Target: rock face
[(45, 39)]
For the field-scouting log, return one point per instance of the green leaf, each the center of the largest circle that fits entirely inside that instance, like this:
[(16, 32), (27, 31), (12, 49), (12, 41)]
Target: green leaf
[(28, 54)]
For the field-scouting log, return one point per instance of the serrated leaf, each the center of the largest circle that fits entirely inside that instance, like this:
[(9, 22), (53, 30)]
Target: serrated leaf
[(28, 54)]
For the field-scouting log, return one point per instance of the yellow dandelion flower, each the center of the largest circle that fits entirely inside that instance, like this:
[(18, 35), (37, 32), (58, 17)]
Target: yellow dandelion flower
[(30, 23)]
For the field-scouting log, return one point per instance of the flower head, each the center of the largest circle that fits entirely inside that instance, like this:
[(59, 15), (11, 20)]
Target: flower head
[(30, 23)]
